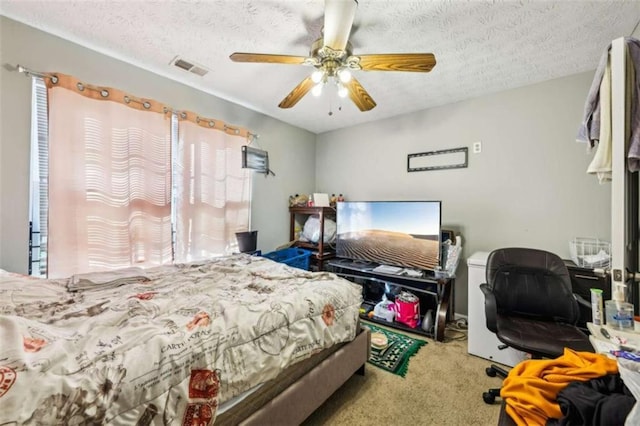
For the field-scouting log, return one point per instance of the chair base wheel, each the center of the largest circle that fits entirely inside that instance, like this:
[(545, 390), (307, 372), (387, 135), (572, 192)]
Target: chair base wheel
[(490, 372), (488, 397)]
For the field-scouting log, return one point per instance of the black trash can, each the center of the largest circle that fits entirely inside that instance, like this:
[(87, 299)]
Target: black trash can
[(247, 241)]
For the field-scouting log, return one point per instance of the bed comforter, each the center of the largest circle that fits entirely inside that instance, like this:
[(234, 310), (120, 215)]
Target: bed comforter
[(165, 345)]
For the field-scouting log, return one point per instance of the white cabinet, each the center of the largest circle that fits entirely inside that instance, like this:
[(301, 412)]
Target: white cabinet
[(482, 342)]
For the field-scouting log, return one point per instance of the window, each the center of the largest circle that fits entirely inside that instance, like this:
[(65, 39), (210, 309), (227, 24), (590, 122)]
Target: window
[(38, 182), (117, 185), (212, 203)]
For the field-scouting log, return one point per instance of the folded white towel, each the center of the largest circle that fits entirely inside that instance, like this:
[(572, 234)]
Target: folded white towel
[(106, 279), (601, 165)]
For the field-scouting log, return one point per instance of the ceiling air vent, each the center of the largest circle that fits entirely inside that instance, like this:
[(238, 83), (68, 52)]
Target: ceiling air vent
[(189, 66)]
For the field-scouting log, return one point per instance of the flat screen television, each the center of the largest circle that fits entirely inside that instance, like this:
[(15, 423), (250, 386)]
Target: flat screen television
[(396, 233)]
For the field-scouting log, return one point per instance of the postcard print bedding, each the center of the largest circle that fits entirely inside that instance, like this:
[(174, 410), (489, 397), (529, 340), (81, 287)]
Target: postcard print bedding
[(167, 345)]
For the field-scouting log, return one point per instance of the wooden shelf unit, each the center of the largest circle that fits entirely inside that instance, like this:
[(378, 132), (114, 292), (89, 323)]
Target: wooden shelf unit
[(322, 252)]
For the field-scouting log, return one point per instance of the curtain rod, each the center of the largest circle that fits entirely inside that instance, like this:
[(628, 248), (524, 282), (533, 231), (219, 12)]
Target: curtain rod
[(29, 73)]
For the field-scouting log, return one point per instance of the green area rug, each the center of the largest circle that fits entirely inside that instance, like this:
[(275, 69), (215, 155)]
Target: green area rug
[(395, 357)]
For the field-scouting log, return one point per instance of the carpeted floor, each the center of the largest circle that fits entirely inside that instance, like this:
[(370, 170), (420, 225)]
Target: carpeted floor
[(443, 386)]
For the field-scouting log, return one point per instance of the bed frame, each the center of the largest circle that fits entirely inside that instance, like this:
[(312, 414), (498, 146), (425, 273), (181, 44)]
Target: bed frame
[(310, 389)]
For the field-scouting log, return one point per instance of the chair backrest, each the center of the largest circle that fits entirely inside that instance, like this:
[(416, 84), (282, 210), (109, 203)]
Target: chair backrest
[(531, 283)]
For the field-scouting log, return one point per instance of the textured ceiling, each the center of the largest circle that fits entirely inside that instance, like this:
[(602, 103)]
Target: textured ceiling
[(481, 47)]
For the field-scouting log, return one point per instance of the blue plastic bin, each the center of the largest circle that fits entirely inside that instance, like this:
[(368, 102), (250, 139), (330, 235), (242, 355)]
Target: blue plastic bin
[(298, 258)]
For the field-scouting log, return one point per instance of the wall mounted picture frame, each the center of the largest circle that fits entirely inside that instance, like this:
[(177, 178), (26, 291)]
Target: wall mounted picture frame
[(443, 159)]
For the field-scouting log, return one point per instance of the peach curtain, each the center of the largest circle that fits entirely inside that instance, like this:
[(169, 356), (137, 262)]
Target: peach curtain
[(109, 179), (213, 191)]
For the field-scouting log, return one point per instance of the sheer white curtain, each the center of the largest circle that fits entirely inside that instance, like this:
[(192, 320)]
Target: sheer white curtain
[(213, 198), (109, 180)]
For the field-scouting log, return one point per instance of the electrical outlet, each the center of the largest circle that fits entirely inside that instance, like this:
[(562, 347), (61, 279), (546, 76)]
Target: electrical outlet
[(477, 147)]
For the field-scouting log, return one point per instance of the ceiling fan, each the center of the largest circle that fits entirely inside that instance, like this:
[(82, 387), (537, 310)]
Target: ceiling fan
[(333, 60)]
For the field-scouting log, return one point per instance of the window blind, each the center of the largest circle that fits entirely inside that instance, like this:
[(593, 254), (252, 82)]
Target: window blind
[(39, 171)]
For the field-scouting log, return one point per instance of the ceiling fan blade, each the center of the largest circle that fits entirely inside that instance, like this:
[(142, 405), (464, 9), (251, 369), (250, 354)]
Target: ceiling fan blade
[(338, 19), (359, 95), (416, 62), (263, 57), (297, 93)]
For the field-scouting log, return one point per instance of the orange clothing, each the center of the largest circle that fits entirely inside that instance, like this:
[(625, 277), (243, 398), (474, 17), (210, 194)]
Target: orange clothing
[(531, 388)]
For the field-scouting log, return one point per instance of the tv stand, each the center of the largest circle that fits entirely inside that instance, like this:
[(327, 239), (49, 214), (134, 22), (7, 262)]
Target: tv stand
[(386, 269), (435, 294)]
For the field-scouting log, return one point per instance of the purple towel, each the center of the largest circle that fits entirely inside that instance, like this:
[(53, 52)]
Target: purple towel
[(589, 130)]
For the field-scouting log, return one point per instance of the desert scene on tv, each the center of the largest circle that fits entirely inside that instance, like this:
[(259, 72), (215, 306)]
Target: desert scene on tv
[(391, 248)]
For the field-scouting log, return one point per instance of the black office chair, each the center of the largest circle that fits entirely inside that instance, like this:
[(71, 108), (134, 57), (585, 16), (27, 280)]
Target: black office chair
[(530, 307)]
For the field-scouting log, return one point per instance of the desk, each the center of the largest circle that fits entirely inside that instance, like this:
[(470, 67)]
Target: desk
[(582, 281), (434, 294)]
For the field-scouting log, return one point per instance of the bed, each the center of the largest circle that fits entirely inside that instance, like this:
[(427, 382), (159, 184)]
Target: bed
[(237, 339)]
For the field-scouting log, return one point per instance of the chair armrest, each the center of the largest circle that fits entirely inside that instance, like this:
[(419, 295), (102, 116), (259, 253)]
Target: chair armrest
[(490, 308)]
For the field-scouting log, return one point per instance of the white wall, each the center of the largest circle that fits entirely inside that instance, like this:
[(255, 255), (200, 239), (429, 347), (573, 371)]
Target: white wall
[(527, 188), (40, 51)]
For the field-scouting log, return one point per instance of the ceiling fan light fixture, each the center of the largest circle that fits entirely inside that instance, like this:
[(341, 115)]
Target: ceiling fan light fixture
[(317, 89), (317, 76), (344, 75), (342, 91)]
